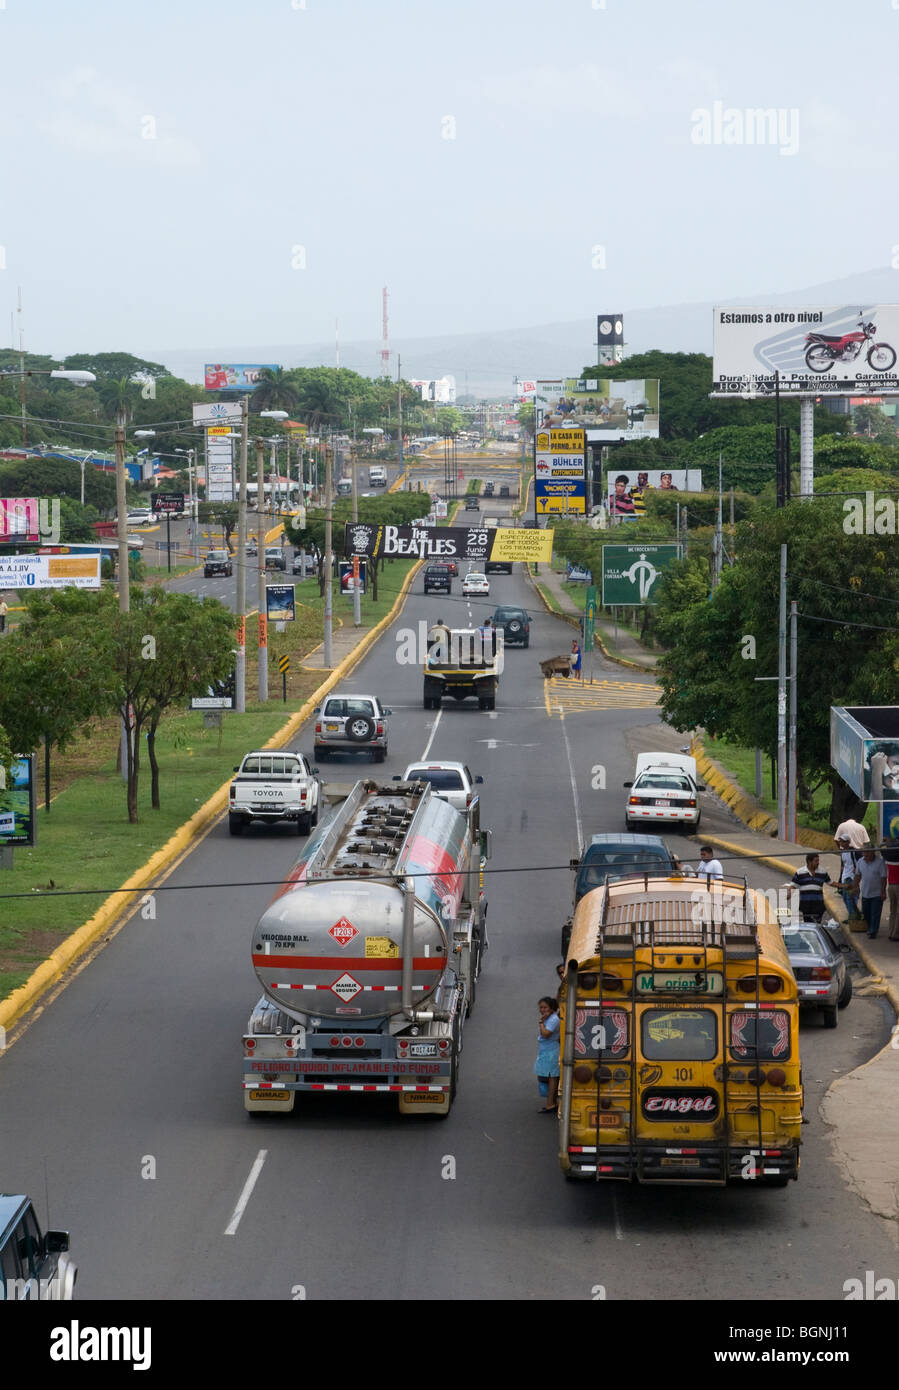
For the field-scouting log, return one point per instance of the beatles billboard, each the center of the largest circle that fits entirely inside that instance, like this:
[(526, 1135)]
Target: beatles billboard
[(449, 542)]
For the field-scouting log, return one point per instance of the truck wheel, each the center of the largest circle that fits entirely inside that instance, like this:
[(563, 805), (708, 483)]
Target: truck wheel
[(830, 1015), (314, 817), (235, 825), (321, 752), (304, 825), (360, 729), (527, 641), (379, 755), (491, 703), (483, 704)]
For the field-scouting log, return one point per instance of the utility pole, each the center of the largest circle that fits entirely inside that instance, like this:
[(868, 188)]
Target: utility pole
[(782, 701), (260, 548), (791, 790), (399, 412), (328, 560), (357, 597), (124, 575), (22, 373), (719, 538), (240, 670)]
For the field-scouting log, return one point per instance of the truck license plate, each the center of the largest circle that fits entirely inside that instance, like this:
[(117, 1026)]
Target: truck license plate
[(423, 1050), (267, 806)]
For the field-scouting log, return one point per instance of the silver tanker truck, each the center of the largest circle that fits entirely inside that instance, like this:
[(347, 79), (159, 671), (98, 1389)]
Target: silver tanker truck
[(369, 954)]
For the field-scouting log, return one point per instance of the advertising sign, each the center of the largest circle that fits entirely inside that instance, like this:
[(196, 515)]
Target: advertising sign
[(219, 695), (630, 573), (847, 349), (606, 409), (864, 749), (49, 571), (18, 821), (235, 376), (280, 603), (222, 413), (561, 495), (19, 519), (449, 542), (345, 575), (171, 502), (627, 488)]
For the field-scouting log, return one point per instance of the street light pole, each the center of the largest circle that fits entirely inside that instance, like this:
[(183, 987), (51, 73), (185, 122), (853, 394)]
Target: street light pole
[(260, 590), (328, 560), (240, 670), (357, 597)]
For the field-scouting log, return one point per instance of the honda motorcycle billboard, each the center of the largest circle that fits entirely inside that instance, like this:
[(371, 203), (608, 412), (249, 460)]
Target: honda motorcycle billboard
[(847, 350)]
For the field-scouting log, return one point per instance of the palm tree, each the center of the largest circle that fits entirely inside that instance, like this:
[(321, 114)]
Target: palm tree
[(275, 391)]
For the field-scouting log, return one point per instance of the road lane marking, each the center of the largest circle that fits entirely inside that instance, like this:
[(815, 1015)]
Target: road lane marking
[(431, 739), (577, 804), (247, 1193), (577, 698)]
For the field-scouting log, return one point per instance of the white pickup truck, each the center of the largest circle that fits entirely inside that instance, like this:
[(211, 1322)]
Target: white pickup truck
[(274, 785)]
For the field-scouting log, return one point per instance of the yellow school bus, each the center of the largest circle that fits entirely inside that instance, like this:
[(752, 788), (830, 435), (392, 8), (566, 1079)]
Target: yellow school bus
[(679, 1037)]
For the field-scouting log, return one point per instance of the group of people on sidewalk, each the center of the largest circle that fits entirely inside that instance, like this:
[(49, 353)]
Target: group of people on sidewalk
[(868, 878)]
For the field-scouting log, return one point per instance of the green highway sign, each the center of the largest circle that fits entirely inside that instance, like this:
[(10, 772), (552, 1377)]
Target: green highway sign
[(630, 572)]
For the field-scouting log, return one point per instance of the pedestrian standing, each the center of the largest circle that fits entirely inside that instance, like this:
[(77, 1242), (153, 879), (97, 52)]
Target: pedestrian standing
[(575, 660), (856, 834), (708, 867), (4, 609), (810, 882), (546, 1067), (891, 859), (847, 876), (871, 877)]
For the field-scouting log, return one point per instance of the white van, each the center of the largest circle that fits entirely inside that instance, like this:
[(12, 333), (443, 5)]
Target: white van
[(377, 475)]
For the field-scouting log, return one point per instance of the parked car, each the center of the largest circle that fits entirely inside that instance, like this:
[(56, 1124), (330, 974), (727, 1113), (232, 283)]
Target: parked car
[(217, 562), (274, 558), (252, 548), (472, 503), (297, 565), (351, 724), (438, 579), (818, 961), (452, 782), (666, 789), (139, 516), (515, 624), (614, 855), (504, 491), (33, 1264), (475, 584), (488, 489)]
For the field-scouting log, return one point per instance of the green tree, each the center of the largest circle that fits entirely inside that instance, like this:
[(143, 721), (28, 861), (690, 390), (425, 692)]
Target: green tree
[(449, 420), (276, 391)]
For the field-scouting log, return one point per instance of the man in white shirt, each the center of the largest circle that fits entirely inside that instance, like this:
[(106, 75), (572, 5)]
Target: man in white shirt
[(708, 867)]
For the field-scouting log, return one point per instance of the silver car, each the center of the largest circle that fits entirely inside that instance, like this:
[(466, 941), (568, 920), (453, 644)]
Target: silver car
[(351, 724), (818, 962)]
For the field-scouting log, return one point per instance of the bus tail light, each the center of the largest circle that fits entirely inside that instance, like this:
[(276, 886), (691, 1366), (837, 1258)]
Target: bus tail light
[(588, 981), (771, 984), (777, 1077)]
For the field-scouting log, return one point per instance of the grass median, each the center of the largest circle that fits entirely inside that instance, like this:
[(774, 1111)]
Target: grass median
[(87, 847)]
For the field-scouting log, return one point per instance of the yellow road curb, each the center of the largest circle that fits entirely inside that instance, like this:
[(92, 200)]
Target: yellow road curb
[(117, 904), (744, 806)]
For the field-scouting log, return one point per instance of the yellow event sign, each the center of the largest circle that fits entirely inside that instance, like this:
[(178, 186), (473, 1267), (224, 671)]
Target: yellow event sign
[(561, 442), (571, 504), (219, 429), (73, 566), (522, 544)]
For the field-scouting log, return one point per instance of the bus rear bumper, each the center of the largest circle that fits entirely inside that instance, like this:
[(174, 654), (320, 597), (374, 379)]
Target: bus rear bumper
[(702, 1163)]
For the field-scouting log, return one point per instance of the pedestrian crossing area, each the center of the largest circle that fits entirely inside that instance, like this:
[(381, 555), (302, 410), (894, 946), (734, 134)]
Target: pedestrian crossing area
[(579, 697)]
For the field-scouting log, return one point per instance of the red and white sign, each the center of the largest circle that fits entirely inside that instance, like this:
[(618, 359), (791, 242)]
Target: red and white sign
[(343, 932), (346, 987)]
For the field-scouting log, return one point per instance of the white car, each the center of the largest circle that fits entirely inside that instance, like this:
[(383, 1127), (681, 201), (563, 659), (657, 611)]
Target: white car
[(475, 584), (139, 516), (452, 782), (665, 790)]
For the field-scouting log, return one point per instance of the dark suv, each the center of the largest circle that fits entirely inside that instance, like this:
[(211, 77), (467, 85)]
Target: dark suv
[(33, 1265), (471, 503), (216, 562), (515, 624), (438, 579)]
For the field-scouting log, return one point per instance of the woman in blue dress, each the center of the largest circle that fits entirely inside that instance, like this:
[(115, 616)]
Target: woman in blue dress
[(546, 1066)]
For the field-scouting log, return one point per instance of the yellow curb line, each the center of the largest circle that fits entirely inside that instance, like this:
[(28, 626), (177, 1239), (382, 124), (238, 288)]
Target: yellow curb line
[(117, 904), (744, 806)]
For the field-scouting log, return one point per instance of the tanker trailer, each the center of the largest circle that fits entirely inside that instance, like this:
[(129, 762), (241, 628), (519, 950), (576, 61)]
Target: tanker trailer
[(369, 953)]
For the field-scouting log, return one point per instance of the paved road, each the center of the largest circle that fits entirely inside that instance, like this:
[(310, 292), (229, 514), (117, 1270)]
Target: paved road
[(136, 1068)]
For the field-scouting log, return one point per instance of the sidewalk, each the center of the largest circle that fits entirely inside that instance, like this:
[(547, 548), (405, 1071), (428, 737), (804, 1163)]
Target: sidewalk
[(344, 640), (621, 647), (860, 1108)]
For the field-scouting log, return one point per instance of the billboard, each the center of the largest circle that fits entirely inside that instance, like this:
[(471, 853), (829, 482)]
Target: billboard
[(280, 603), (630, 572), (18, 821), (449, 542), (818, 349), (864, 749), (345, 575), (49, 571), (235, 376), (606, 409), (219, 466), (561, 495), (221, 413), (171, 503), (627, 488)]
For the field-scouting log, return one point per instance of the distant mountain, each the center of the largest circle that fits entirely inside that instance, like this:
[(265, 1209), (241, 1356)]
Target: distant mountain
[(484, 364)]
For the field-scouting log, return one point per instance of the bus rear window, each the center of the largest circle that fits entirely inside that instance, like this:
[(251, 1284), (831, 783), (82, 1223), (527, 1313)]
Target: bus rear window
[(683, 1035), (600, 1033), (761, 1036)]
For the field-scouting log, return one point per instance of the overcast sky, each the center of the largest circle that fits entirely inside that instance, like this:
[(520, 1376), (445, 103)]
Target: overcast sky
[(187, 172)]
